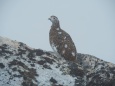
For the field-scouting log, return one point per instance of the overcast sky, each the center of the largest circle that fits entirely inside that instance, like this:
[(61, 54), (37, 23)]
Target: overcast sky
[(91, 23)]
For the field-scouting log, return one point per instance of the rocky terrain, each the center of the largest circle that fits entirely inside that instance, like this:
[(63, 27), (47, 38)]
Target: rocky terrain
[(21, 65)]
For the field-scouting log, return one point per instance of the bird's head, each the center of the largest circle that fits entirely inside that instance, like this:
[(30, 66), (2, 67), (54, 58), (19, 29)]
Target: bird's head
[(54, 20)]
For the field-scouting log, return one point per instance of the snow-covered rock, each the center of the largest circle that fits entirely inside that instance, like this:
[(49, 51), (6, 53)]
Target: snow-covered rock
[(21, 65)]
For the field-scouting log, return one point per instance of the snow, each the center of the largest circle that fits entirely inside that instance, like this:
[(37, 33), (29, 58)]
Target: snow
[(9, 42), (59, 69), (5, 76), (12, 44), (46, 74)]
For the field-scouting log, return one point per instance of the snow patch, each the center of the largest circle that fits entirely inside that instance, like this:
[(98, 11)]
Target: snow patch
[(45, 75), (9, 42)]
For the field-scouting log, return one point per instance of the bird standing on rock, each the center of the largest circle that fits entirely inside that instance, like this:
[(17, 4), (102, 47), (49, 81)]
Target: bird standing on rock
[(61, 41)]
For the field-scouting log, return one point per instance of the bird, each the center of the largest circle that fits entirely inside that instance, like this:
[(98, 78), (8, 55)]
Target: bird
[(61, 42)]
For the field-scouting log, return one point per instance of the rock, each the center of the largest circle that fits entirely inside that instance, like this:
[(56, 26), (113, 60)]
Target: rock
[(21, 65)]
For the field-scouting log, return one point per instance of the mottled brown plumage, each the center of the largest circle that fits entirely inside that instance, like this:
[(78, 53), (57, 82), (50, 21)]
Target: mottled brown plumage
[(61, 41)]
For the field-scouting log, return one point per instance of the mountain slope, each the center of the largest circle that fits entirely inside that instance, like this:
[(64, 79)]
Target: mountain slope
[(21, 65)]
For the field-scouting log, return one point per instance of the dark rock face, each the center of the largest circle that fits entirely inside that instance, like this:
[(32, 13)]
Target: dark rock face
[(21, 65)]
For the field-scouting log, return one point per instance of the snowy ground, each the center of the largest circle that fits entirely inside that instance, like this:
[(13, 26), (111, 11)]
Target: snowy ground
[(21, 65)]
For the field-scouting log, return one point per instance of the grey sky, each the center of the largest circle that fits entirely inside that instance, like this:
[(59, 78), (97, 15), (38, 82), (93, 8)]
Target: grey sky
[(91, 23)]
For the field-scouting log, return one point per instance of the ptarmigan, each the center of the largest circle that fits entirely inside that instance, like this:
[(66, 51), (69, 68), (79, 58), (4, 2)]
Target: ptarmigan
[(61, 41)]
